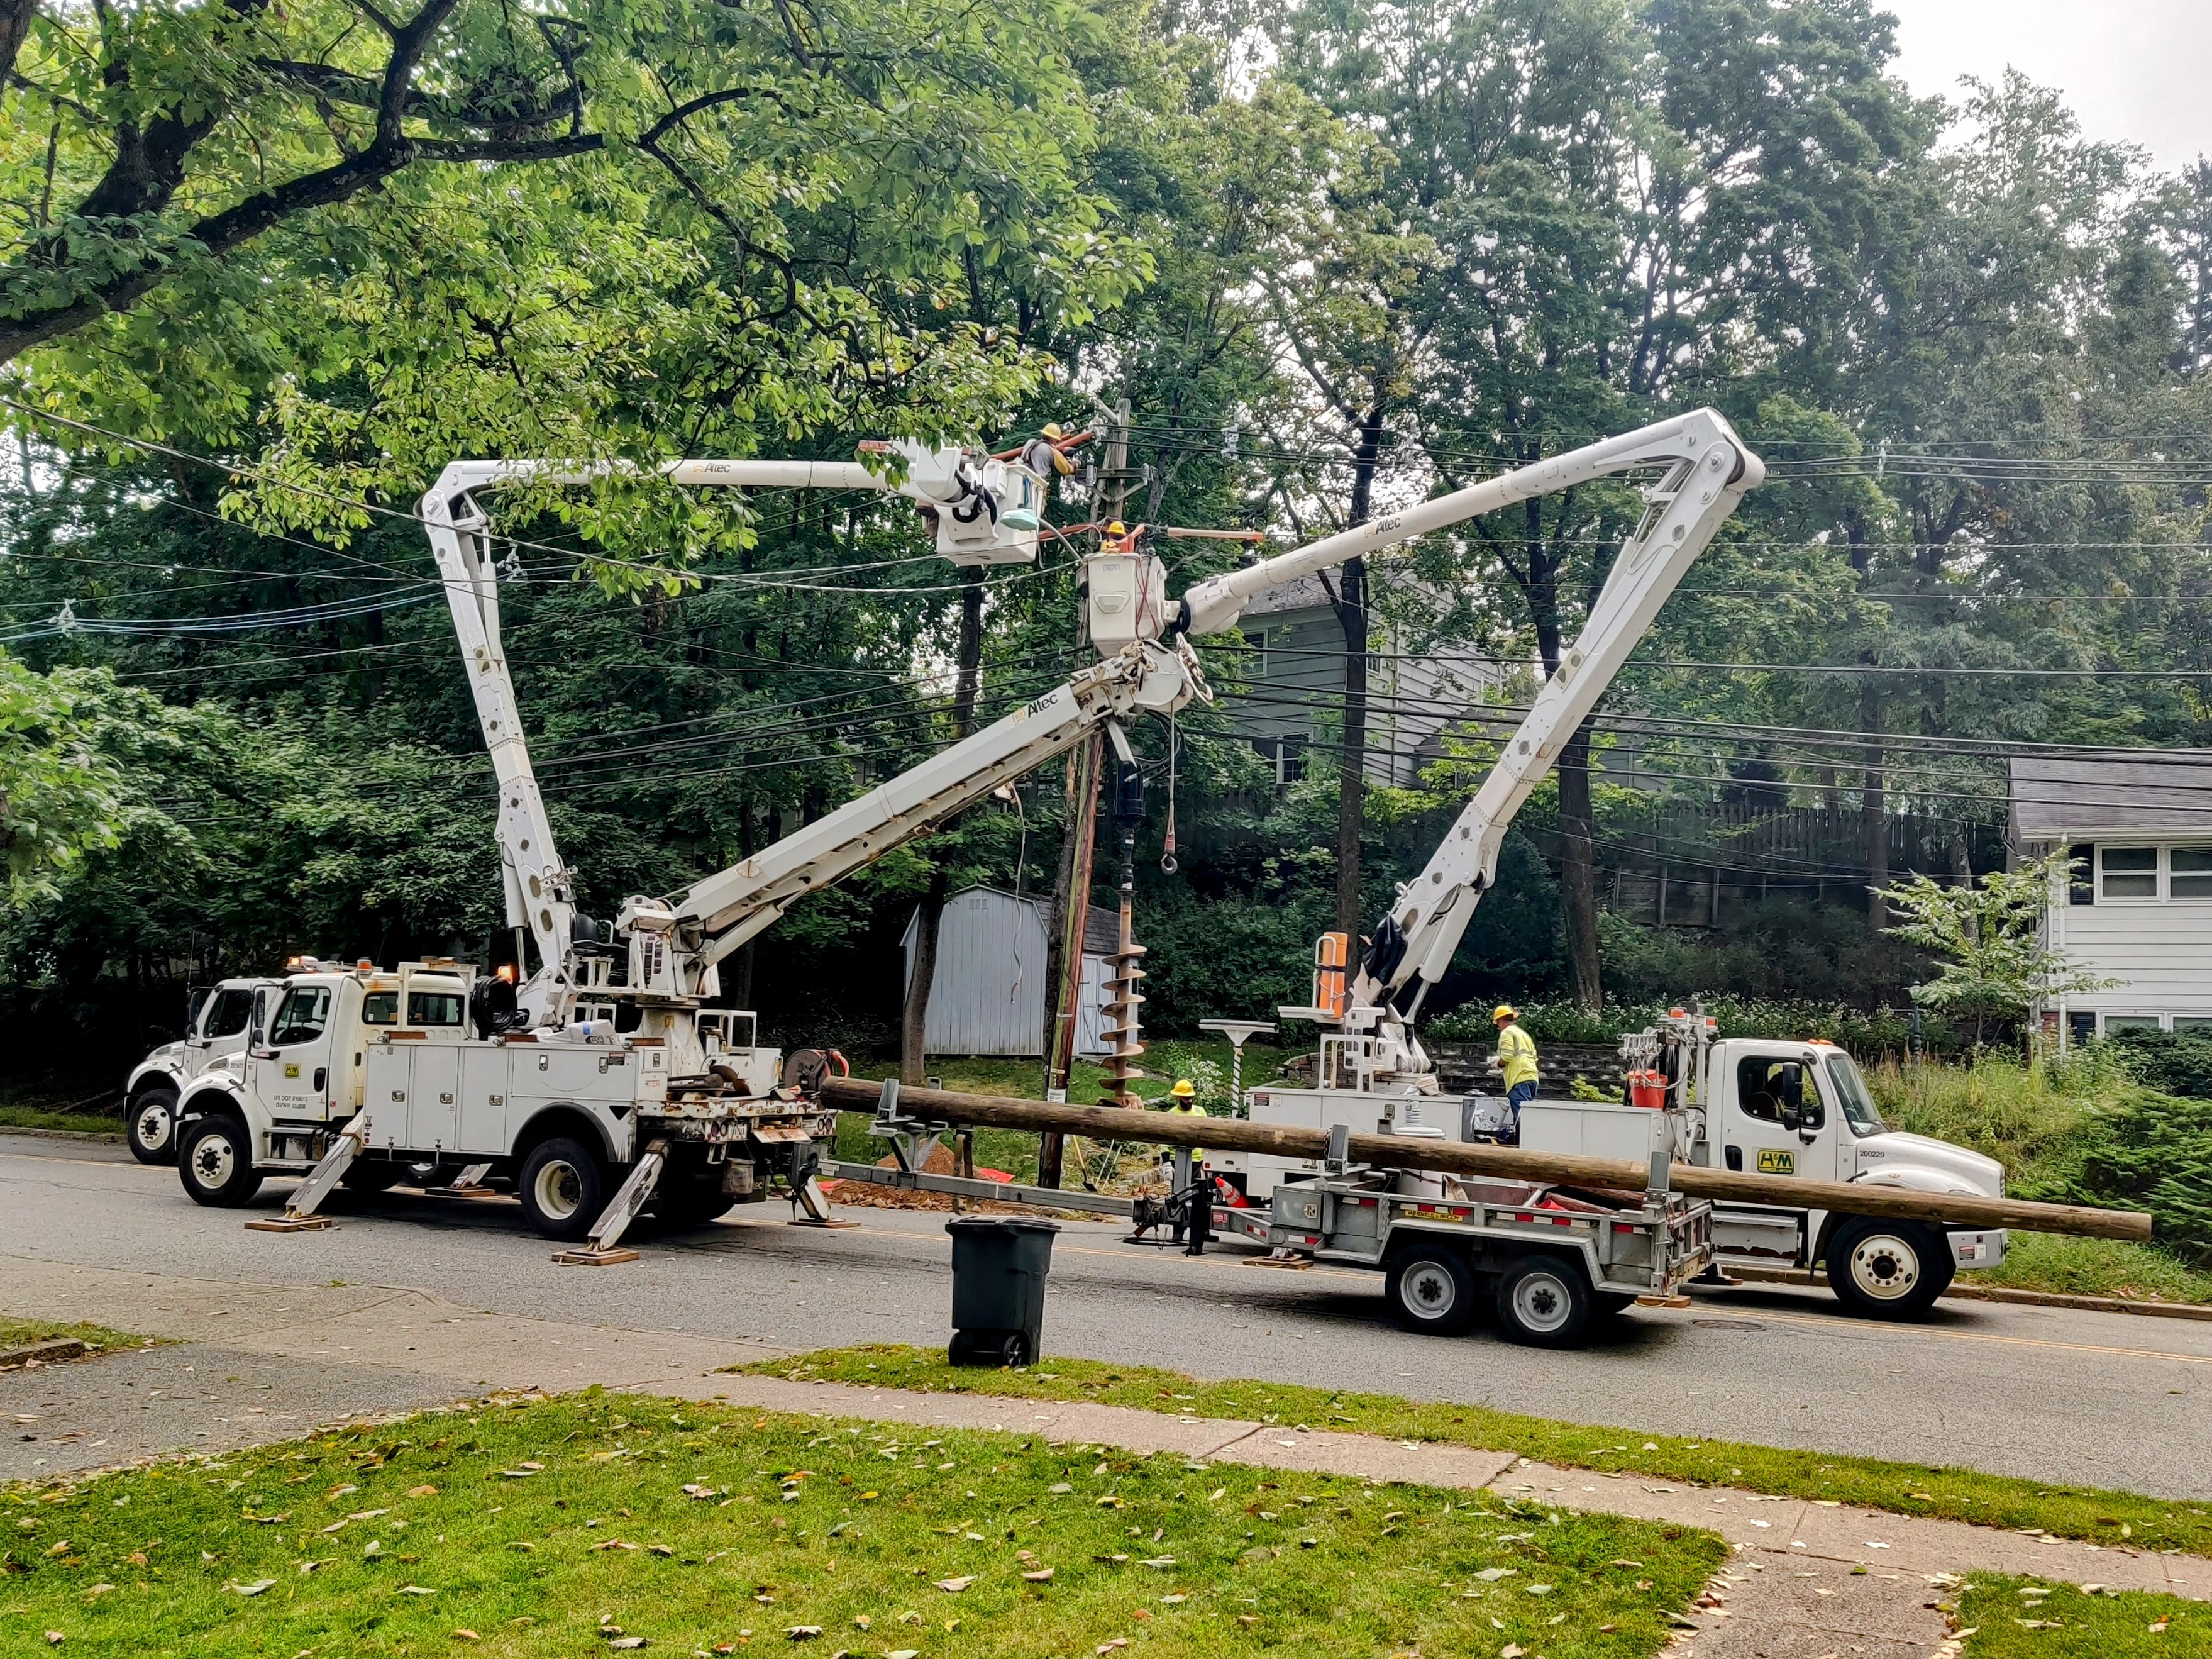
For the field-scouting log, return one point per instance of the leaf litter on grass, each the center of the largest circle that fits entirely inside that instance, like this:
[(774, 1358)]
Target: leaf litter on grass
[(1033, 1576)]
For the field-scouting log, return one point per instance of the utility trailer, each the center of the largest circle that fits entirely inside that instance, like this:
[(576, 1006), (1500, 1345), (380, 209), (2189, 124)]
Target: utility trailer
[(1550, 1259)]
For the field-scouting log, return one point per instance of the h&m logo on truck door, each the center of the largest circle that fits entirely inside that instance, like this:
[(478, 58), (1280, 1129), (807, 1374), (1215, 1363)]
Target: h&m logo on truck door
[(1773, 1161)]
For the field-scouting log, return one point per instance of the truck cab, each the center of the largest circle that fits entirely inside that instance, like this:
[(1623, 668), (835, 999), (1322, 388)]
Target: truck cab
[(1798, 1110), (215, 1021)]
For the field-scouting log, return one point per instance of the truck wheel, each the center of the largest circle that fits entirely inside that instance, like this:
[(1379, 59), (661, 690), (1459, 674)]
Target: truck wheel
[(367, 1175), (1431, 1288), (562, 1189), (1882, 1269), (153, 1135), (215, 1160), (1544, 1301), (693, 1204)]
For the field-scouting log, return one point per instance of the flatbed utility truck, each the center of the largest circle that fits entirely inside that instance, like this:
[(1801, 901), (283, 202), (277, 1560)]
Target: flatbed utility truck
[(1797, 1111), (435, 1060)]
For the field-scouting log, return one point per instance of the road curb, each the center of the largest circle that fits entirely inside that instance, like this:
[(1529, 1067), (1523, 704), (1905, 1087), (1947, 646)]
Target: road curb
[(2003, 1293), (100, 1135)]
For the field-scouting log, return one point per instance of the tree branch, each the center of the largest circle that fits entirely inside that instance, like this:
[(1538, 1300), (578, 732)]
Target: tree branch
[(15, 18)]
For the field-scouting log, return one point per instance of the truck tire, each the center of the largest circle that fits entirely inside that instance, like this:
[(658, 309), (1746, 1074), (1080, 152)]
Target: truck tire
[(693, 1203), (152, 1132), (1883, 1269), (372, 1174), (562, 1189), (1544, 1302), (1430, 1289), (215, 1160)]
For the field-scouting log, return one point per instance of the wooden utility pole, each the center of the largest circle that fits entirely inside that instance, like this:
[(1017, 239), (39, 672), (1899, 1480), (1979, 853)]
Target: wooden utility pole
[(1070, 896)]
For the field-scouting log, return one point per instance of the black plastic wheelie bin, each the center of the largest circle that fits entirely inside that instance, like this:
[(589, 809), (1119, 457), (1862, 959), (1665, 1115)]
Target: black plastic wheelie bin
[(999, 1268)]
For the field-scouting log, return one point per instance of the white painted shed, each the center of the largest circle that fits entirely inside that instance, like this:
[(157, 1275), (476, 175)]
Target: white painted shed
[(988, 996), (2138, 909)]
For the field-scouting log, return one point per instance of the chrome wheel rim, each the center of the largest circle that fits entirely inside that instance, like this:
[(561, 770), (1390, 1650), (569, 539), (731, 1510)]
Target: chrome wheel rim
[(151, 1126), (214, 1160), (559, 1189), (1542, 1302), (1428, 1291), (1884, 1266)]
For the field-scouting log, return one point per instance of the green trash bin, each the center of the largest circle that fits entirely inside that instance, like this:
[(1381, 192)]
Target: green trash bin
[(999, 1268)]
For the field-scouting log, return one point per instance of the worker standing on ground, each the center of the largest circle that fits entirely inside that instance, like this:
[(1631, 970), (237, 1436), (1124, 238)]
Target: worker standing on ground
[(1516, 1058), (1189, 1162)]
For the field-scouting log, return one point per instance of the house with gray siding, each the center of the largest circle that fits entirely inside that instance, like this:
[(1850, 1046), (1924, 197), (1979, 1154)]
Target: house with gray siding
[(1295, 668), (2137, 906)]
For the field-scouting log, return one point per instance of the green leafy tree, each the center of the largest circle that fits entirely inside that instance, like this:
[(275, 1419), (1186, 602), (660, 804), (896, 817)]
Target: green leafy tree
[(60, 795), (1993, 964)]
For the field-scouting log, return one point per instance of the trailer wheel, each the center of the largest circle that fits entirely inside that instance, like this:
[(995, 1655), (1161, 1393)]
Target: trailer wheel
[(373, 1175), (1883, 1269), (215, 1160), (562, 1189), (1544, 1302), (1430, 1289), (693, 1203), (153, 1134)]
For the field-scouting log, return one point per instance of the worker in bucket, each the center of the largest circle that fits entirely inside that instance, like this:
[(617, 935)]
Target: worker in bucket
[(1516, 1058)]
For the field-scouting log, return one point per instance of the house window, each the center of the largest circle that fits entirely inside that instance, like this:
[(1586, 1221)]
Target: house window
[(2189, 872), (2193, 1023), (2132, 1022), (1256, 643), (2128, 872), (2081, 873)]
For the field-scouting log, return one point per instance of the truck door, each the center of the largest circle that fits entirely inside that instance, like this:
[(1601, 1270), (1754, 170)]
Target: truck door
[(288, 1072), (1777, 1122), (221, 1029)]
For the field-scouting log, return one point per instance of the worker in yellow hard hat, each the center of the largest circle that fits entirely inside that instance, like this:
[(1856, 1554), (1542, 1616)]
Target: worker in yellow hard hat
[(1516, 1060), (1188, 1165)]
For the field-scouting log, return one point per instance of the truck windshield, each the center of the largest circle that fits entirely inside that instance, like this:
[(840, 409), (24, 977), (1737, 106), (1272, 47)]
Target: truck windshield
[(1852, 1091)]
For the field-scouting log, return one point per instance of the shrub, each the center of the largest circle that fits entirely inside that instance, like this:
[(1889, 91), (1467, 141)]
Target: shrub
[(2172, 1062)]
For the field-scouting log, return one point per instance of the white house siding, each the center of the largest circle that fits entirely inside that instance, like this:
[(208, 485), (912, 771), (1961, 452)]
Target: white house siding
[(2162, 949), (988, 994)]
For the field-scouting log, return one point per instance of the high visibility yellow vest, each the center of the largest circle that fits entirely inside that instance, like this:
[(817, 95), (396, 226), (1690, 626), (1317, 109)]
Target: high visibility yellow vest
[(1516, 1056)]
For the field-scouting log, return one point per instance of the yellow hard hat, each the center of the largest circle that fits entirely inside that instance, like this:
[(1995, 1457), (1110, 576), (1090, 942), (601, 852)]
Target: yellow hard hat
[(1505, 1011), (1182, 1090), (1117, 528), (1052, 429)]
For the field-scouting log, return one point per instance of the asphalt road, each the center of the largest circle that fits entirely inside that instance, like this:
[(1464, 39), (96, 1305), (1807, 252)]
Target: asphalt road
[(2067, 1396)]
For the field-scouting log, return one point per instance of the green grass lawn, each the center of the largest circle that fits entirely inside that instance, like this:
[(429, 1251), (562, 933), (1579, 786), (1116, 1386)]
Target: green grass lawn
[(2028, 1619), (1955, 1494), (39, 1117), (591, 1522), (22, 1332)]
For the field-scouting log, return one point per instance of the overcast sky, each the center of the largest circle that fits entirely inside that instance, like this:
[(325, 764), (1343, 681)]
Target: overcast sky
[(2131, 69)]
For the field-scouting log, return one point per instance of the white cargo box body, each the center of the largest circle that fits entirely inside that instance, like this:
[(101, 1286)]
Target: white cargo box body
[(1596, 1128), (452, 1094)]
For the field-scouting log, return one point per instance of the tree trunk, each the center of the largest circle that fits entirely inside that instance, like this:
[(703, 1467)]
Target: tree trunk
[(1874, 819), (914, 1014), (1351, 617), (1351, 759), (1578, 869)]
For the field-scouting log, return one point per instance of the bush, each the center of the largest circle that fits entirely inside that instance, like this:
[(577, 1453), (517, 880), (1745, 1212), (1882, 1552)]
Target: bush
[(2172, 1062), (1883, 1031), (2155, 1152)]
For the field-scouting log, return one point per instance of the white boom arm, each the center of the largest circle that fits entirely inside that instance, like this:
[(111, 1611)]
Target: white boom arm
[(1708, 472), (675, 943)]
